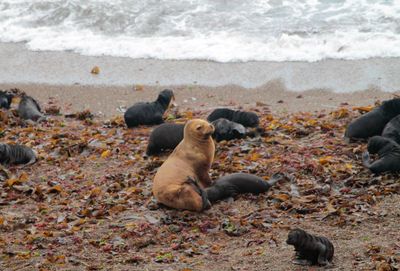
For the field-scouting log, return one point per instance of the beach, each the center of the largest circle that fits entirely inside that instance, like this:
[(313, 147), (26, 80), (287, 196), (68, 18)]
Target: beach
[(87, 204), (283, 86)]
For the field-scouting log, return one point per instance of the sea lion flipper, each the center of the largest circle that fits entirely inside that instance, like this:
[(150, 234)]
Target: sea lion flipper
[(366, 159), (322, 256), (203, 194)]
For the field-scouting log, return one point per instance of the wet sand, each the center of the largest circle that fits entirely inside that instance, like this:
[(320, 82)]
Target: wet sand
[(19, 65)]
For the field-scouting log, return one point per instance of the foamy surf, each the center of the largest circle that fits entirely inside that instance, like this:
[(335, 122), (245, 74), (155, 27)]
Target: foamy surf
[(218, 30)]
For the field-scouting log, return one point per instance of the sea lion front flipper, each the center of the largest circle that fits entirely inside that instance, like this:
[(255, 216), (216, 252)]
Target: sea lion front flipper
[(200, 191), (322, 254), (299, 261), (366, 159)]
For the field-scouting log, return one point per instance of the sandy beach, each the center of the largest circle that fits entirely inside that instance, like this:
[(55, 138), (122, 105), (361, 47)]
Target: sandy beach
[(283, 86), (87, 204)]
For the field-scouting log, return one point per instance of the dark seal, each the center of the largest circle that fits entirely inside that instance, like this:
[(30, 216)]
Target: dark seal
[(240, 183), (29, 109), (247, 119), (227, 130), (168, 135), (149, 113), (5, 99), (16, 154), (310, 249), (373, 122), (165, 137), (392, 129), (388, 152)]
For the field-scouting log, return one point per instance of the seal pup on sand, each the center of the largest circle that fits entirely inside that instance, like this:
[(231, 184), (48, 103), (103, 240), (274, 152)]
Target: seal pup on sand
[(388, 152), (310, 249), (16, 154), (240, 183), (5, 99), (373, 122), (392, 129), (29, 109), (180, 180), (149, 113), (247, 119)]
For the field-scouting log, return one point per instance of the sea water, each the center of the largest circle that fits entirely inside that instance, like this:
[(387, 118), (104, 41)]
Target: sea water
[(218, 30)]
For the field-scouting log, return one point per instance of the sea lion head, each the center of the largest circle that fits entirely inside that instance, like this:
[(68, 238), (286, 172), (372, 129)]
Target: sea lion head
[(5, 99), (198, 129), (165, 97), (391, 107), (249, 119), (376, 143), (295, 236)]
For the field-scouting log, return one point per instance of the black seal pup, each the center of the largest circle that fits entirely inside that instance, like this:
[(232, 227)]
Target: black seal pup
[(165, 137), (227, 130), (16, 154), (247, 119), (388, 152), (373, 122), (149, 113), (29, 109), (240, 183), (310, 249), (5, 99), (392, 129)]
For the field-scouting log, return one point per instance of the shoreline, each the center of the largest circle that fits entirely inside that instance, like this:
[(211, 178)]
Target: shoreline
[(21, 66), (109, 101)]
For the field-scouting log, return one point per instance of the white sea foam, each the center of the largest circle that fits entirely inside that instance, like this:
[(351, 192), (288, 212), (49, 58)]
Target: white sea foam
[(219, 30)]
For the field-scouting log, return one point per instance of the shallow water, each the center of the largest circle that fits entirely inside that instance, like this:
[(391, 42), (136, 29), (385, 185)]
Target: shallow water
[(219, 30)]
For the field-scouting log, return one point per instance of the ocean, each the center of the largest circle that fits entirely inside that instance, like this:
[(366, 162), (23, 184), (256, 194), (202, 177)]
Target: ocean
[(216, 30)]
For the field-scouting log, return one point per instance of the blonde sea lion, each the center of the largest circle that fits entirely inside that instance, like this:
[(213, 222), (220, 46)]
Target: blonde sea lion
[(180, 180)]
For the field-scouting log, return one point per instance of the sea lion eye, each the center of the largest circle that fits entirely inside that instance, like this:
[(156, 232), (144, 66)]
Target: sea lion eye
[(198, 127)]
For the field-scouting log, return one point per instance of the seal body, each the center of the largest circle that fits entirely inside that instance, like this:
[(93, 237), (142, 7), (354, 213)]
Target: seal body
[(227, 130), (29, 109), (165, 137), (247, 119), (180, 180), (5, 99), (16, 154), (392, 129), (310, 249), (149, 113), (373, 122), (239, 183), (389, 155)]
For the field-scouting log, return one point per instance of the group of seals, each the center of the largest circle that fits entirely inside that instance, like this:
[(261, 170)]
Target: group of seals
[(16, 154), (168, 135), (247, 119), (310, 249), (149, 113), (382, 127)]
